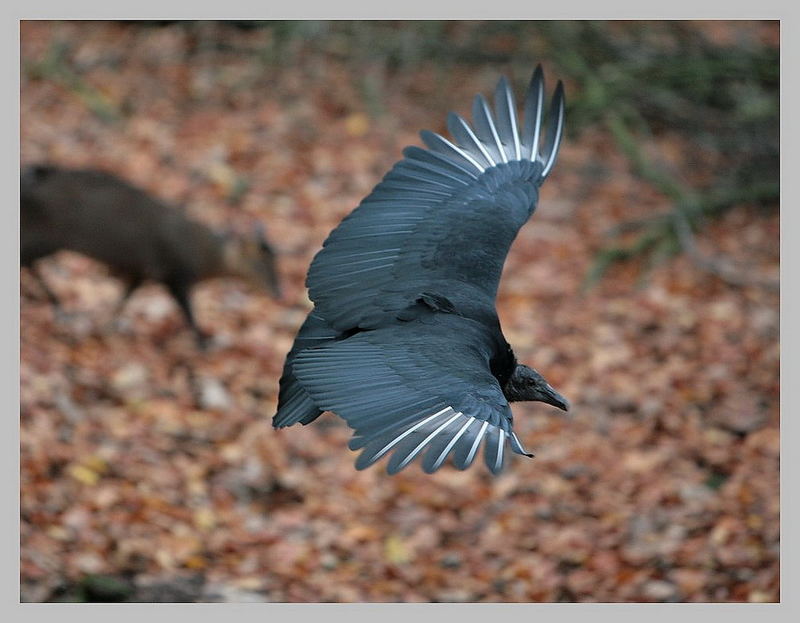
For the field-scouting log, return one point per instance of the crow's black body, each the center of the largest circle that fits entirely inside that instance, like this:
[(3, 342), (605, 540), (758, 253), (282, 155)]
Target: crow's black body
[(404, 341)]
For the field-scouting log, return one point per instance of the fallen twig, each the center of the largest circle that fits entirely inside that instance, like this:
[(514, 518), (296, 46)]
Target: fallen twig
[(720, 267)]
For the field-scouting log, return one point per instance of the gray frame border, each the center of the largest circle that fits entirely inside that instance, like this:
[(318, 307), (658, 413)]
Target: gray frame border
[(410, 9)]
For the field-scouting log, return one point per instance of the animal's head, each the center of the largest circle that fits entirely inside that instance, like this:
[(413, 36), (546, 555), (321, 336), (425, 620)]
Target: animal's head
[(527, 384), (251, 258)]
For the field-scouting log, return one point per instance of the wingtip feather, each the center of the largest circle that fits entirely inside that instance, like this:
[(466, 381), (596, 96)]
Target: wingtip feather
[(486, 129), (506, 114), (556, 130)]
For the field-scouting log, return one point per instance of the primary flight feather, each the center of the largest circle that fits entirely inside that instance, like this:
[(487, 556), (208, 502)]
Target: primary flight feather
[(404, 341)]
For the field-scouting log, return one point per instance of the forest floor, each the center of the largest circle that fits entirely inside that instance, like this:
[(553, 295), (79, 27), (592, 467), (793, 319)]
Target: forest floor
[(148, 462)]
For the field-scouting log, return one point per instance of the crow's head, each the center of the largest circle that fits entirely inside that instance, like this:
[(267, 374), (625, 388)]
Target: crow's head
[(527, 384)]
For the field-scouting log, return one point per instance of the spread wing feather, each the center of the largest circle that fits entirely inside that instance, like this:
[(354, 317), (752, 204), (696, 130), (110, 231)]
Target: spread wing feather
[(533, 111), (507, 120), (295, 403)]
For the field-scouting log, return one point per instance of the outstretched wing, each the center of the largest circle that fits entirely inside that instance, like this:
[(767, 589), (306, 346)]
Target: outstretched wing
[(442, 216), (420, 388)]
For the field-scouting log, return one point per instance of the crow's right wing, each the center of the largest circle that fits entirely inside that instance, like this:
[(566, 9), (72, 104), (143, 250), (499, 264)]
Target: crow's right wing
[(443, 219)]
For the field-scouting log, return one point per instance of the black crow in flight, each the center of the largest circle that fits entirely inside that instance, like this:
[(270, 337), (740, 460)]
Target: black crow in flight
[(404, 341)]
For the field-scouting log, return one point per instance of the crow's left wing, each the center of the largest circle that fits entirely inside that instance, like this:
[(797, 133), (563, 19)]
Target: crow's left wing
[(420, 388)]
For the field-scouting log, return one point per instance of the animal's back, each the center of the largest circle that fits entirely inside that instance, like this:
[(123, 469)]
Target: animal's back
[(99, 215)]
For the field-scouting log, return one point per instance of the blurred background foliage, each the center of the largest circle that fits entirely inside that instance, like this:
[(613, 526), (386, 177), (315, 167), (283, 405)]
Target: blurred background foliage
[(642, 81)]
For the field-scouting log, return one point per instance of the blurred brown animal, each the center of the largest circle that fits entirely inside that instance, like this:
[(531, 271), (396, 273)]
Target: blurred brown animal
[(137, 236)]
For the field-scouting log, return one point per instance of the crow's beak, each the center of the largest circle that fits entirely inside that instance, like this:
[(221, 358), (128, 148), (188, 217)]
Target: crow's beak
[(552, 397)]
